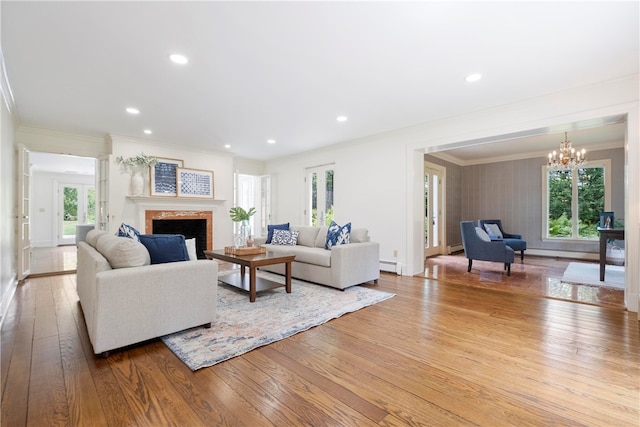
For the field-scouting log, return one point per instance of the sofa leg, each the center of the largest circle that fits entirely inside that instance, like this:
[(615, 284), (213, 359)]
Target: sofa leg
[(469, 268), (207, 325), (104, 354), (522, 255), (509, 269)]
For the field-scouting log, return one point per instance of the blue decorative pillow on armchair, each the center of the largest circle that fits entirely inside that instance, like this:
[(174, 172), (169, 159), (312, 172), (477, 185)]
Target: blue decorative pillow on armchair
[(165, 247), (337, 235)]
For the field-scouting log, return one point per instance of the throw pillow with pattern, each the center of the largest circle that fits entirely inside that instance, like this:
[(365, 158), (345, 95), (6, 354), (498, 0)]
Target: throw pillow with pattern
[(337, 235), (126, 230), (284, 237)]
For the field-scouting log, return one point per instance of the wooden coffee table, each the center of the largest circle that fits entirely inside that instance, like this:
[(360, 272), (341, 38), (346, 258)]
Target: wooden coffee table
[(253, 284)]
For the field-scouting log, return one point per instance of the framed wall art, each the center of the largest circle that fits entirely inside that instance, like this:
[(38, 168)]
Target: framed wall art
[(195, 183), (164, 177)]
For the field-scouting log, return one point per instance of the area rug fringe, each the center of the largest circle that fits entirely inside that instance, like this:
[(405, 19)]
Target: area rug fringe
[(241, 326)]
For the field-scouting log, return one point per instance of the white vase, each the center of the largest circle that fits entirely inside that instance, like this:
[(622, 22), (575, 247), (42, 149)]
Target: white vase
[(137, 183)]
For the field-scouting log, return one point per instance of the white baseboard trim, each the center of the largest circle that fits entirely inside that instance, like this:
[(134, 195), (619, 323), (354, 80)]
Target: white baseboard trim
[(591, 256), (562, 254)]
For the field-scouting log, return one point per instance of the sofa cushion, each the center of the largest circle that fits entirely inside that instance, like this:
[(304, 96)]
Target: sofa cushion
[(270, 229), (122, 252), (337, 235), (321, 240), (359, 235), (126, 230), (313, 256), (93, 235), (165, 247), (284, 237), (306, 235)]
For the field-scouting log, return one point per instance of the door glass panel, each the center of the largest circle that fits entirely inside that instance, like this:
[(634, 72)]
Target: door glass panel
[(320, 187), (69, 211), (328, 197)]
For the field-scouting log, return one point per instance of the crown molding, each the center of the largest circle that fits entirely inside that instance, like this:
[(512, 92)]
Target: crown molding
[(443, 155), (5, 88)]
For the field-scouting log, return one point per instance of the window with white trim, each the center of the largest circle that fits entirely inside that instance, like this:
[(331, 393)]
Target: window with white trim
[(573, 200)]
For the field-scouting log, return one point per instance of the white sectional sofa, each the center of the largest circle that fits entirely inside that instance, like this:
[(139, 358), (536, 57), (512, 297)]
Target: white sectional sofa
[(339, 267), (126, 301)]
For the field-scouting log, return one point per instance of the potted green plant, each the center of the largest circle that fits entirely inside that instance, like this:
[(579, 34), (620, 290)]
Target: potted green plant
[(239, 214), (135, 166)]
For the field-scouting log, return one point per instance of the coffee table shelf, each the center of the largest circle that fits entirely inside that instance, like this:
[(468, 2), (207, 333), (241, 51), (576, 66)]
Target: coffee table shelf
[(252, 283)]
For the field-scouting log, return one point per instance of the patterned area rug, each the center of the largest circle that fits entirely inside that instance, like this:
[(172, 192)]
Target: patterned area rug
[(589, 274), (242, 326)]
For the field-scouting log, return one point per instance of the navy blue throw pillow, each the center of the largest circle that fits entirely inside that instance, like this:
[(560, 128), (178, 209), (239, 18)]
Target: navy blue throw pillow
[(270, 229), (165, 247)]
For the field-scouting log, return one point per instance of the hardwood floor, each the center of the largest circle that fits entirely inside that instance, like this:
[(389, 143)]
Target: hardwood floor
[(438, 353), (53, 260), (539, 276)]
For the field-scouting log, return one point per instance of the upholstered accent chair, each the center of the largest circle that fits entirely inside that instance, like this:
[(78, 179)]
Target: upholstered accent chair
[(477, 245), (514, 241)]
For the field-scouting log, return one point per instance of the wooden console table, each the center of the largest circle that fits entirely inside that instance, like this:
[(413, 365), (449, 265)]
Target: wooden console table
[(606, 234)]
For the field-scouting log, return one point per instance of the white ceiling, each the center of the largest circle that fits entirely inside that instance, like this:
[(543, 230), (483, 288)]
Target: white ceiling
[(286, 70)]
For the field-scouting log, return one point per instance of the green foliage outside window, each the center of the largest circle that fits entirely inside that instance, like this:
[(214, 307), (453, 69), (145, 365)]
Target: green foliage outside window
[(590, 189)]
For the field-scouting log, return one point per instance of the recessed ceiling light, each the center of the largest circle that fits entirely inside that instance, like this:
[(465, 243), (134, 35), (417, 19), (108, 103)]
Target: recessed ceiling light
[(227, 146), (132, 110), (271, 141), (341, 118), (473, 77), (148, 131), (178, 59)]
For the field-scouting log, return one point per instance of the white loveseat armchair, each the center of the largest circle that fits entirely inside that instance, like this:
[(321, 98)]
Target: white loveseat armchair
[(126, 301), (341, 266)]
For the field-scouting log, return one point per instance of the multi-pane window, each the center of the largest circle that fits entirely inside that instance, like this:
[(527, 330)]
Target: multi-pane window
[(574, 200)]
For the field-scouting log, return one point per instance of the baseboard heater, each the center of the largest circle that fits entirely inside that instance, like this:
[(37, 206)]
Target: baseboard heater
[(454, 248), (390, 266)]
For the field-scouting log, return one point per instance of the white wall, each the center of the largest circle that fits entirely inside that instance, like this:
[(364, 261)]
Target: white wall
[(44, 204), (127, 210), (379, 179), (369, 188), (8, 248)]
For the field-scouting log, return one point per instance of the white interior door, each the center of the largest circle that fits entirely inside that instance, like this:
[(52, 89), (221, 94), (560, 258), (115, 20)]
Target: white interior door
[(434, 207), (76, 206), (319, 187), (23, 231)]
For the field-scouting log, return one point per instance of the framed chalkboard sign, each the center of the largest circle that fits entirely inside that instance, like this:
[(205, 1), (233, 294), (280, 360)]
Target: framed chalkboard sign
[(164, 177)]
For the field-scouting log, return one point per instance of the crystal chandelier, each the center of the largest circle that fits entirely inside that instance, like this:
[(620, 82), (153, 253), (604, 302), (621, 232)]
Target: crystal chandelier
[(568, 158)]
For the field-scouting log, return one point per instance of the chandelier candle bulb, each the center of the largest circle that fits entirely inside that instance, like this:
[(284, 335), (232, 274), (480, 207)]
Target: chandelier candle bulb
[(568, 159)]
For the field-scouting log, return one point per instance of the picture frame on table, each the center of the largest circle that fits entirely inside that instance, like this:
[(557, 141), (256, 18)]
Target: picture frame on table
[(195, 183), (163, 175), (606, 220)]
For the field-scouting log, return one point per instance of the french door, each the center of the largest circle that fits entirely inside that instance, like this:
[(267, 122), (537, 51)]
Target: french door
[(76, 206), (434, 206), (23, 231), (319, 187)]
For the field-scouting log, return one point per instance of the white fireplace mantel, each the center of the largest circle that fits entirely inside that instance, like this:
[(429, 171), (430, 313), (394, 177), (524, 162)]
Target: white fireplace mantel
[(144, 203), (178, 201)]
